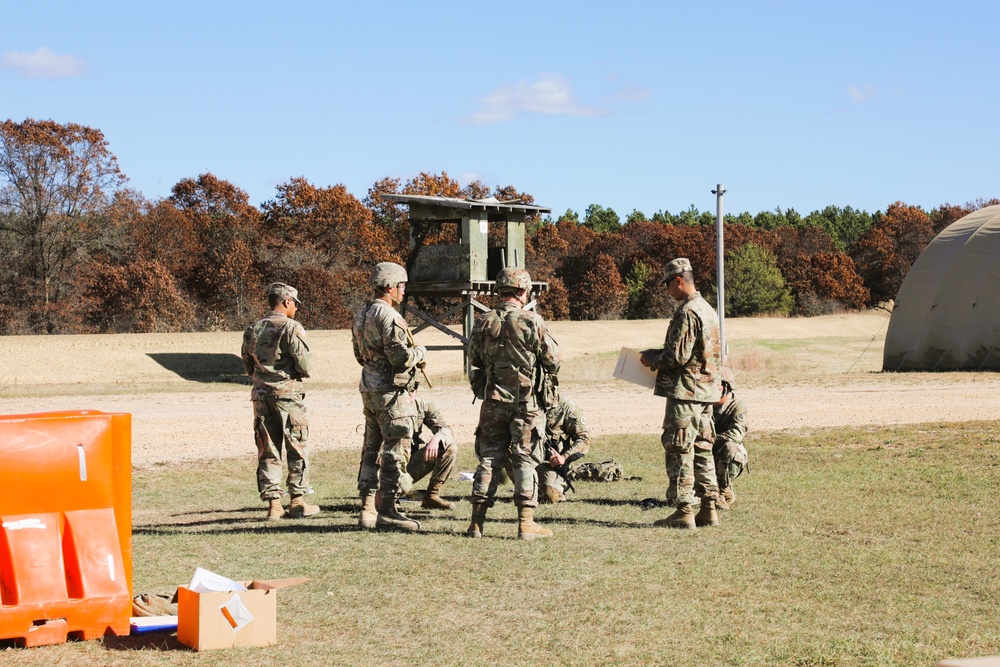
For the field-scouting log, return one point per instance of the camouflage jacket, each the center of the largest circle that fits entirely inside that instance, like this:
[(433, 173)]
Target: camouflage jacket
[(379, 336), (275, 354), (566, 429), (428, 415), (507, 344), (731, 420), (688, 366)]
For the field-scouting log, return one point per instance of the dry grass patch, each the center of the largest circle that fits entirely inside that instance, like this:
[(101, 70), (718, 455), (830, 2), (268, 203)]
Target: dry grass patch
[(868, 546)]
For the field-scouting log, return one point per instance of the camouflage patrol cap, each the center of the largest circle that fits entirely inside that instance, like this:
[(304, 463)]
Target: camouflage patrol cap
[(676, 267), (284, 291), (513, 278), (386, 274), (726, 375)]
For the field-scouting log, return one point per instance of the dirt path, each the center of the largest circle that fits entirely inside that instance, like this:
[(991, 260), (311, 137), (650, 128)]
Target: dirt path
[(793, 373)]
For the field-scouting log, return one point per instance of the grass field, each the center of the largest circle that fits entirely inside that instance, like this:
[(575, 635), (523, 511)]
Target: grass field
[(873, 546)]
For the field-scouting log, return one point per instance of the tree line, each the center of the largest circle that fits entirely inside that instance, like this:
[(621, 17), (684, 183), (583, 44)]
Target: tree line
[(87, 254)]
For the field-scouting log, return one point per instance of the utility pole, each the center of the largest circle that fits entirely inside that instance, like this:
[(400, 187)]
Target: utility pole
[(720, 292)]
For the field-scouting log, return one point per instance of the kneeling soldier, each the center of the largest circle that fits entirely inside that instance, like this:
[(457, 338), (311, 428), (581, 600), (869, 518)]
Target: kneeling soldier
[(568, 441), (730, 454), (434, 455)]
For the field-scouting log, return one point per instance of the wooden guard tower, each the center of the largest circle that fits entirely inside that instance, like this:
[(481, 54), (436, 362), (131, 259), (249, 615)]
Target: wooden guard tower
[(467, 269)]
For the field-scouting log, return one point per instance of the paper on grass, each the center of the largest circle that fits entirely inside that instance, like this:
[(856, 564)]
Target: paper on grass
[(630, 369), (203, 581)]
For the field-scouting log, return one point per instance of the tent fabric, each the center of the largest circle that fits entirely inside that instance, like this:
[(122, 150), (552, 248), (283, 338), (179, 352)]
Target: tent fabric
[(947, 311)]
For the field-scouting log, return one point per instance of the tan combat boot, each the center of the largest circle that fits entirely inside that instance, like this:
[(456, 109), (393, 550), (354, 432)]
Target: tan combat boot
[(478, 520), (726, 499), (299, 508), (432, 500), (390, 518), (683, 517), (707, 515), (275, 511), (552, 495), (366, 521), (527, 529)]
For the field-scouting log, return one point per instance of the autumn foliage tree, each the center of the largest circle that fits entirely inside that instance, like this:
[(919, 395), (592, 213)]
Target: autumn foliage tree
[(821, 277), (324, 306), (326, 230), (137, 297), (226, 276), (601, 294), (83, 253), (885, 253), (55, 182), (545, 251), (944, 215)]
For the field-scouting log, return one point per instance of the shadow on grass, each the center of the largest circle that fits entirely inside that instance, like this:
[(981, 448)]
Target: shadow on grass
[(287, 527), (257, 526), (204, 366), (571, 521), (149, 641), (258, 512), (609, 502)]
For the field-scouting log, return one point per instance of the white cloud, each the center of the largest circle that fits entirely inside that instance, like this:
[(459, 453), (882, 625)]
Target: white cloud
[(547, 95), (630, 92), (862, 94), (43, 64), (467, 177)]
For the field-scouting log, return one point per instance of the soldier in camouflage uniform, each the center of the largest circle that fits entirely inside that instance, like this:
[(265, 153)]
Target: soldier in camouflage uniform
[(506, 349), (434, 455), (275, 354), (384, 347), (731, 426), (568, 440), (688, 375)]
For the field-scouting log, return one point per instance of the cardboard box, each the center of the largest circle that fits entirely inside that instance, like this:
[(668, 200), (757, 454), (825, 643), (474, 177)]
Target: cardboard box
[(234, 618)]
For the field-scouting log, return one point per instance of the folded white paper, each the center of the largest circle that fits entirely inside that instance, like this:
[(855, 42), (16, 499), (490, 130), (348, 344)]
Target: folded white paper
[(630, 369), (204, 581)]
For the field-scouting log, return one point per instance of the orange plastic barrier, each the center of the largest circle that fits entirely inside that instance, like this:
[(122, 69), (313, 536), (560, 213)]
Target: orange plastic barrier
[(65, 526)]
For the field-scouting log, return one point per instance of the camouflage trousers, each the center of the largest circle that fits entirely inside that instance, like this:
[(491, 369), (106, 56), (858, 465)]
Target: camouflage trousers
[(688, 436), (730, 461), (385, 453), (439, 469), (281, 424), (548, 477), (509, 436)]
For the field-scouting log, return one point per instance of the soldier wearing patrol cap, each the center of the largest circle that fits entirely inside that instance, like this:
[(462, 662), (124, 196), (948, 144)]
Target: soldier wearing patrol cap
[(676, 267), (687, 374), (384, 347), (276, 355), (508, 349)]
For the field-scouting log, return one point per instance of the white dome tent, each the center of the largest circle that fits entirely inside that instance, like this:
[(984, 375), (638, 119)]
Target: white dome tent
[(947, 312)]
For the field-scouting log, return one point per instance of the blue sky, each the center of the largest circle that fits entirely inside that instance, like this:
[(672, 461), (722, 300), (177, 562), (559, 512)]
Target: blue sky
[(630, 105)]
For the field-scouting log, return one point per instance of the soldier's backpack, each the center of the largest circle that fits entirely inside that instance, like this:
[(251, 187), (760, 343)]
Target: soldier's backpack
[(605, 471)]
